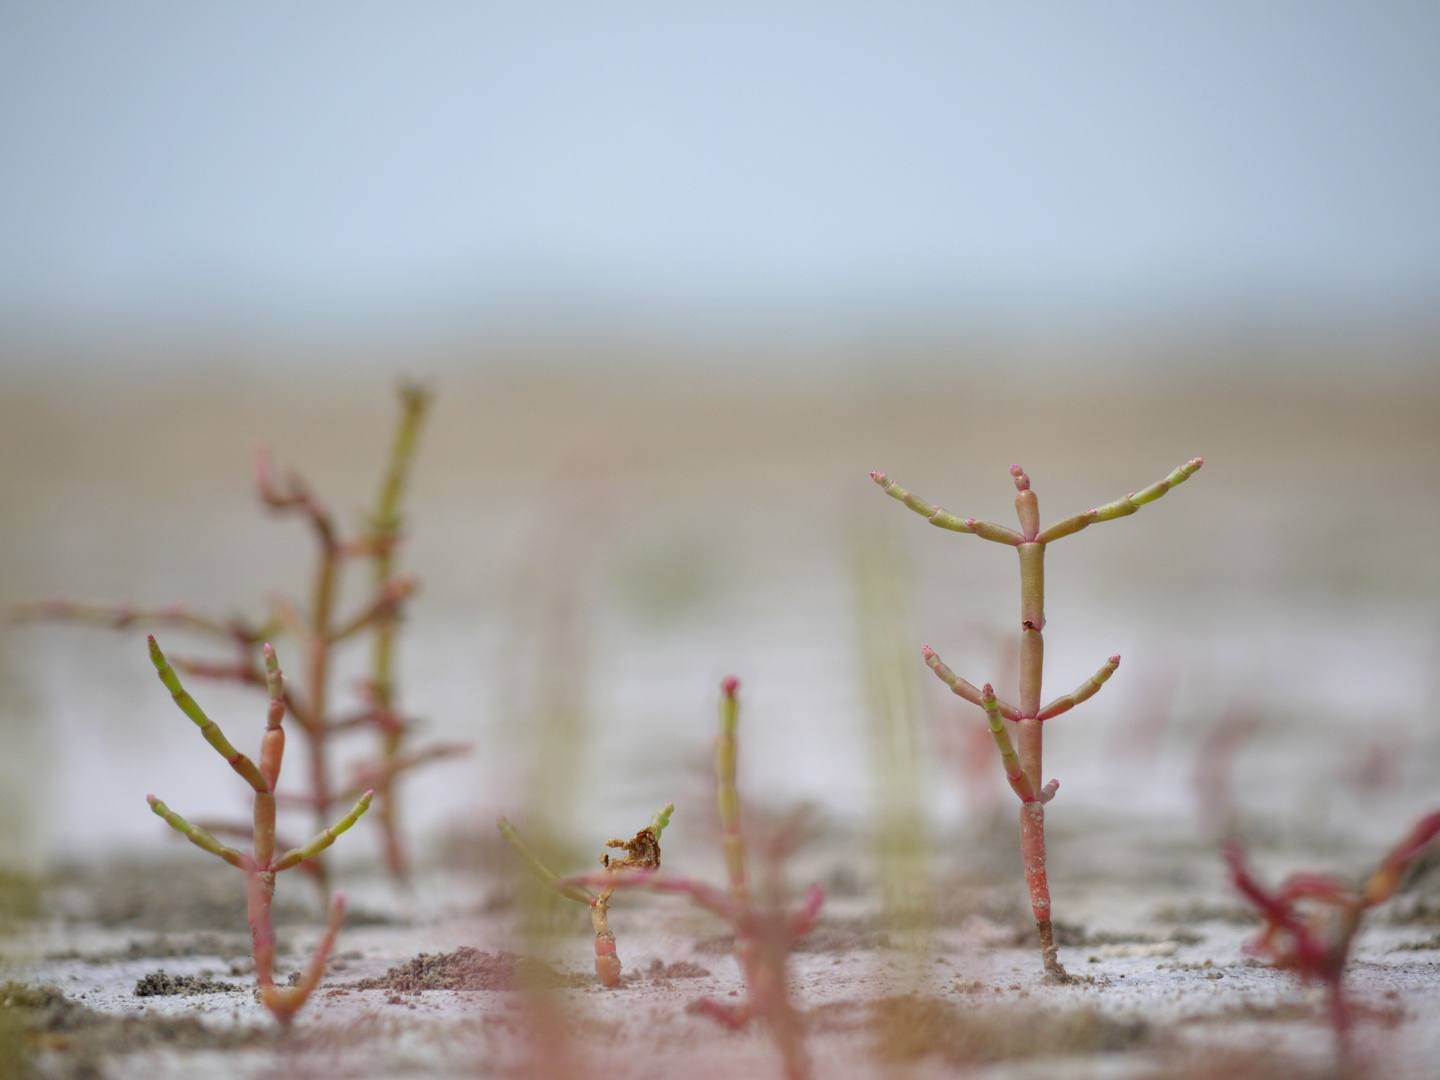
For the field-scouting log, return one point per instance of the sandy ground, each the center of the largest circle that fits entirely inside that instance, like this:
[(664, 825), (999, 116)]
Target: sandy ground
[(1167, 988)]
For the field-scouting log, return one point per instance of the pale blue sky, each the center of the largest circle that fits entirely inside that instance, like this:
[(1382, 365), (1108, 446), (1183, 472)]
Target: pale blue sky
[(347, 161)]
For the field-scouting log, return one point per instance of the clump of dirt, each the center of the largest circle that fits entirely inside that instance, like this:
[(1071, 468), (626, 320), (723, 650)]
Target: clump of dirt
[(911, 1026), (471, 969), (222, 946), (44, 1008), (1179, 936), (844, 935), (367, 917), (1432, 942), (43, 1016), (1189, 914), (1000, 906), (1220, 1063), (829, 936), (159, 984), (1287, 1012), (19, 899), (1417, 912), (179, 894), (719, 945), (1071, 935), (680, 969)]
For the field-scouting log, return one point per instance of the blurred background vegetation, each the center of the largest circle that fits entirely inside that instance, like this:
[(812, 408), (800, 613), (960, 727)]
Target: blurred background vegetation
[(681, 278)]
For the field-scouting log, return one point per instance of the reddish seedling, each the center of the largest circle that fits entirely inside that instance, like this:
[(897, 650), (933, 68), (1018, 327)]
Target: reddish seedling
[(765, 930), (261, 863), (641, 853), (1311, 919), (318, 629), (1023, 766)]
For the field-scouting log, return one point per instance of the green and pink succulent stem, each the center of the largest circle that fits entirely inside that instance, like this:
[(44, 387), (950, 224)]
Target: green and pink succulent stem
[(1311, 919), (317, 629), (384, 538), (765, 930), (1022, 759), (641, 853), (260, 864)]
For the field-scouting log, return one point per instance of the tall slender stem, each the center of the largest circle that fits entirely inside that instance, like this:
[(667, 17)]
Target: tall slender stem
[(1024, 763), (385, 527), (260, 896), (260, 867), (1030, 734), (727, 797)]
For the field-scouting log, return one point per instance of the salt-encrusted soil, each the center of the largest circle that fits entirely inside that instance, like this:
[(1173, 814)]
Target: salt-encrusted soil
[(1165, 987)]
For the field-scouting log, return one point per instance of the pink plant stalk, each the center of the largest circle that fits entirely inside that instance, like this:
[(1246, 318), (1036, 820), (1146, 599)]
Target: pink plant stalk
[(1213, 777), (319, 629), (260, 863), (1023, 766), (1312, 919), (765, 931), (641, 853)]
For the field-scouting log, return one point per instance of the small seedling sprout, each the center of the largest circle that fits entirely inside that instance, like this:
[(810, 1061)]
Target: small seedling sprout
[(1311, 920), (1022, 764), (260, 864), (641, 853), (765, 931)]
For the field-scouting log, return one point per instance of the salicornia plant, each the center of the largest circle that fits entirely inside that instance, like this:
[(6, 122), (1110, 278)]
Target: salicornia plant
[(1311, 919), (261, 863), (765, 931), (318, 628), (641, 853), (1023, 764)]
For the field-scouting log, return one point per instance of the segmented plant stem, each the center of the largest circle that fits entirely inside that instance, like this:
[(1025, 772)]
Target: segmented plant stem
[(196, 835), (260, 866), (272, 751), (208, 728), (607, 963), (285, 1001), (1023, 762), (385, 526), (325, 837), (727, 796)]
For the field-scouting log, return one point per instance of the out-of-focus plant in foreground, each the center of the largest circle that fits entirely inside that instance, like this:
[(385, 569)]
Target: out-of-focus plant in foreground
[(1311, 919), (765, 930)]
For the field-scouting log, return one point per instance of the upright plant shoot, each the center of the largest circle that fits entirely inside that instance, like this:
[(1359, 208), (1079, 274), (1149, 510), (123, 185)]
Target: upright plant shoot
[(260, 864), (641, 853), (1022, 763)]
